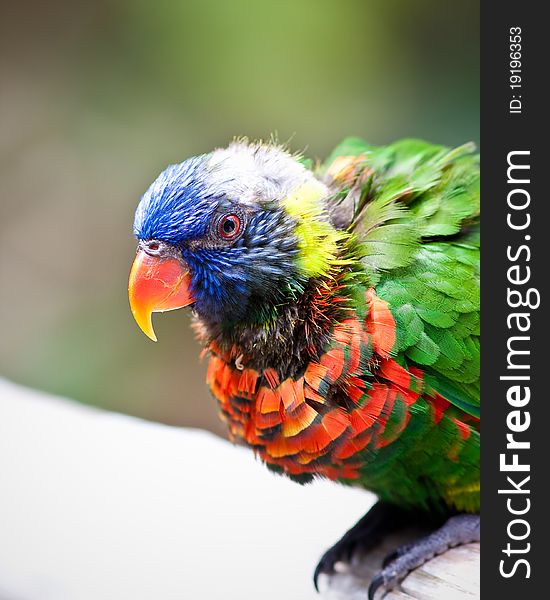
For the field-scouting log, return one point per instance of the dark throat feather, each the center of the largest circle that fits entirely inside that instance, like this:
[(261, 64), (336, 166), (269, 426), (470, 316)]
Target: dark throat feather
[(296, 334)]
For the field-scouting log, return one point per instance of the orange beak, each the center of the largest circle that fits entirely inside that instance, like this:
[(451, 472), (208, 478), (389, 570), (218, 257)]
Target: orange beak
[(157, 285)]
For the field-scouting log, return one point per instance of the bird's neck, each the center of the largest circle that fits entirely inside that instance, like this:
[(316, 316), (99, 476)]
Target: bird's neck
[(296, 334)]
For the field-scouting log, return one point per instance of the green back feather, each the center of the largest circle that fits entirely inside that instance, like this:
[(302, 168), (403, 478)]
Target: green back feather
[(415, 222)]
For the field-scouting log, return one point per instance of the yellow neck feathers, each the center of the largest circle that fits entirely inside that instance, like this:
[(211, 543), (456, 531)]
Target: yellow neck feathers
[(318, 240)]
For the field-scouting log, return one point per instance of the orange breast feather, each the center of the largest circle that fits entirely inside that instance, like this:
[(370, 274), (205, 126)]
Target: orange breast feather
[(325, 421)]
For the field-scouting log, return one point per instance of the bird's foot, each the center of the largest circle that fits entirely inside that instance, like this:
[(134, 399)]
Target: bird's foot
[(458, 530), (382, 519)]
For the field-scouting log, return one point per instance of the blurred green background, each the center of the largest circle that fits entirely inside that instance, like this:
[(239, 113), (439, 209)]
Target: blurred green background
[(98, 97)]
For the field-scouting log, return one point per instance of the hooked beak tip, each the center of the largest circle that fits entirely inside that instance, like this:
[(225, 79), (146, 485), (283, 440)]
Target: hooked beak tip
[(157, 284), (145, 323)]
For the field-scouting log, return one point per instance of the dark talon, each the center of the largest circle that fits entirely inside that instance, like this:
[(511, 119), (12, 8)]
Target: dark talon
[(341, 551), (318, 570), (374, 586), (381, 519)]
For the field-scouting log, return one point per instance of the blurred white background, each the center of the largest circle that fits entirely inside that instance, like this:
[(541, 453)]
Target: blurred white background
[(99, 506)]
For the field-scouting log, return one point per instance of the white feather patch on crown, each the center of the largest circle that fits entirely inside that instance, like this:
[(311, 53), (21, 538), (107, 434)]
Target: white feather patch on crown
[(252, 172)]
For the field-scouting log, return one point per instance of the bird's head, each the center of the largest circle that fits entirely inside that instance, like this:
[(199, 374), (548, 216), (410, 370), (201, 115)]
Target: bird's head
[(235, 233)]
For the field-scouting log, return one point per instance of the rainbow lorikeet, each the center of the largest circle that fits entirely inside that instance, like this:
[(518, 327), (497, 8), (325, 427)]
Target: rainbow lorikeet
[(339, 308)]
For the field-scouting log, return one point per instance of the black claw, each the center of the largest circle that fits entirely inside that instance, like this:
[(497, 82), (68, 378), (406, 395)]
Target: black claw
[(328, 560), (375, 585), (318, 571), (381, 519), (326, 564)]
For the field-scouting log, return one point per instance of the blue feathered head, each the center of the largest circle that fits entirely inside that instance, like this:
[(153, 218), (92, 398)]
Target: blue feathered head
[(233, 232)]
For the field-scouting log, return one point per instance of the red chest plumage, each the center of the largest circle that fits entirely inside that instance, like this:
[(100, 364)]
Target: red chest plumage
[(325, 421)]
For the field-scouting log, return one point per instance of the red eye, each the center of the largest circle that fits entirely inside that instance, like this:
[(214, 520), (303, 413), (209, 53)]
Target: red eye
[(229, 226)]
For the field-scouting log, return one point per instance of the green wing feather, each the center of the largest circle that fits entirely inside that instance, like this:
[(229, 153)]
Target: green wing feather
[(416, 218)]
